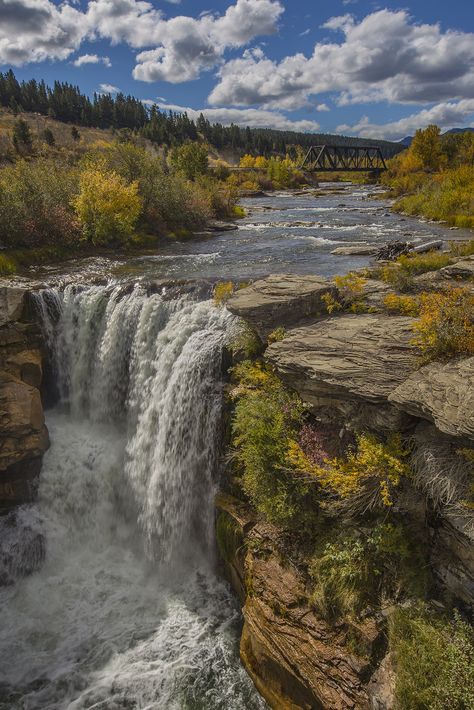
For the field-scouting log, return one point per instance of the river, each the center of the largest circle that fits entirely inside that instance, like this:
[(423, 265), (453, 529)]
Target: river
[(126, 609)]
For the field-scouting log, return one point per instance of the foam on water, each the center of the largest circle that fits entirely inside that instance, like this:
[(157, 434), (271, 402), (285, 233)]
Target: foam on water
[(126, 610)]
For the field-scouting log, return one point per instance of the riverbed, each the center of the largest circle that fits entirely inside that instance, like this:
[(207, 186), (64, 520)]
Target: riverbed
[(282, 232), (127, 609)]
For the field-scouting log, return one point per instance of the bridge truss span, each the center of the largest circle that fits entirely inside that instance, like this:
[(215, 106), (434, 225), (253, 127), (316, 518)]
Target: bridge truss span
[(344, 158)]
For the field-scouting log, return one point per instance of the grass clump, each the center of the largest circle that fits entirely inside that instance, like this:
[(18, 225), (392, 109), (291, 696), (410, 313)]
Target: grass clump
[(462, 248), (445, 327), (7, 265), (434, 660), (400, 273), (366, 568)]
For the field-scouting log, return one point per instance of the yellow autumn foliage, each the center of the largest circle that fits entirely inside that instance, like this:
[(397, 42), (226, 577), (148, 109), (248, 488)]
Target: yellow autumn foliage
[(446, 324), (223, 291), (247, 161), (371, 461), (107, 206), (403, 304)]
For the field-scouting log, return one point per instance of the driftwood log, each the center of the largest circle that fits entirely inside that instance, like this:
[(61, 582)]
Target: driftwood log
[(392, 250)]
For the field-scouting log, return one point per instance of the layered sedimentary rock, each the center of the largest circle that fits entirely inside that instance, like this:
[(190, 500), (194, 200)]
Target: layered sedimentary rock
[(349, 363), (361, 372), (295, 659), (442, 392), (23, 434), (280, 300)]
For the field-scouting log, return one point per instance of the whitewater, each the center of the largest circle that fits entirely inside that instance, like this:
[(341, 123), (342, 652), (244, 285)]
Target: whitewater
[(125, 609)]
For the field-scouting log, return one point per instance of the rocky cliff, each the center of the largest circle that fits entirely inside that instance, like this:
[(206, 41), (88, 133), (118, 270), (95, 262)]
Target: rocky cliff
[(358, 372), (23, 435)]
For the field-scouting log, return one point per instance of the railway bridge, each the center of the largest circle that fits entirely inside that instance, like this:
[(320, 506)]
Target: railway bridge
[(344, 158)]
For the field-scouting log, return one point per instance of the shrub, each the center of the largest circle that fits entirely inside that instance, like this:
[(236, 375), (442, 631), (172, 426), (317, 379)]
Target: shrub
[(366, 478), (7, 265), (266, 417), (246, 343), (366, 567), (277, 335), (405, 305), (223, 291), (35, 203), (446, 324), (434, 660), (191, 159), (48, 136), (107, 207), (22, 135), (351, 288), (247, 161)]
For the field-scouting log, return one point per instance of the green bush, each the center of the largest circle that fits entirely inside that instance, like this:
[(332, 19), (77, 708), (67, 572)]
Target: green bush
[(266, 417), (35, 203), (191, 159), (366, 568), (434, 660), (228, 536)]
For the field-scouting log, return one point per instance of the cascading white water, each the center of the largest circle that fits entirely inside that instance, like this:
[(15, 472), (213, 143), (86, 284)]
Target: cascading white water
[(126, 610)]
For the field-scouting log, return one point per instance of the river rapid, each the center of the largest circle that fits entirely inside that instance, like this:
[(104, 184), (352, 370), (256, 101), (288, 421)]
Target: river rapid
[(126, 609)]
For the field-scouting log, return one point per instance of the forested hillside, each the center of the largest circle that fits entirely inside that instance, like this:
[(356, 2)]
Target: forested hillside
[(66, 103)]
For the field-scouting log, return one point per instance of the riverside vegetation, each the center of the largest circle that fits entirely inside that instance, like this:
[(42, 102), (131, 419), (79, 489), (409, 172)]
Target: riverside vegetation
[(122, 194), (336, 492), (63, 190), (435, 177)]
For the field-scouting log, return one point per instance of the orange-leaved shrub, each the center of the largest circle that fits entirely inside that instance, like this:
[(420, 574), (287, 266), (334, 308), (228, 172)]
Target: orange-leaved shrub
[(445, 327)]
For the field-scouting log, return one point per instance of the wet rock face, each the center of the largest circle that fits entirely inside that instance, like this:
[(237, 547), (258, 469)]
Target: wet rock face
[(279, 300), (295, 659), (23, 434)]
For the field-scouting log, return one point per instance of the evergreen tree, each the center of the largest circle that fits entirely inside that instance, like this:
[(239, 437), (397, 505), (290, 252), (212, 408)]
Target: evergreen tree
[(48, 136), (22, 135)]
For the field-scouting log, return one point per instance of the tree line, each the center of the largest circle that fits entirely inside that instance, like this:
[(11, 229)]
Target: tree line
[(65, 102)]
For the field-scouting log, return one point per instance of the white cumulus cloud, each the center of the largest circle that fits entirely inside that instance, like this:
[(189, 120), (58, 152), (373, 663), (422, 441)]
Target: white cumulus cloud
[(252, 117), (91, 59), (108, 89), (446, 115), (385, 56)]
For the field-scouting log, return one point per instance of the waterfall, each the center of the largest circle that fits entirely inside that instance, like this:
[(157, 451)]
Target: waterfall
[(124, 608), (152, 365)]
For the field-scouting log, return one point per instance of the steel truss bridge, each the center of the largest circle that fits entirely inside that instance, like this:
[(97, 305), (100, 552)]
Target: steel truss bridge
[(344, 158)]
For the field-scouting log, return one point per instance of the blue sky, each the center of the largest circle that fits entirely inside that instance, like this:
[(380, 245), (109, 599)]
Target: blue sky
[(352, 66)]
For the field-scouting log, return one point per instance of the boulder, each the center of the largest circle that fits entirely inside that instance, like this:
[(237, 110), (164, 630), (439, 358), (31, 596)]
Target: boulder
[(356, 250), (351, 363), (443, 393), (463, 269), (12, 301), (280, 300)]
